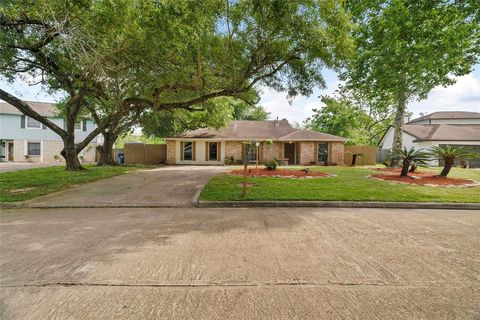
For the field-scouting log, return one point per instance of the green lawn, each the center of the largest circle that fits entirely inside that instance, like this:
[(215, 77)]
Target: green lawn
[(348, 184), (28, 184)]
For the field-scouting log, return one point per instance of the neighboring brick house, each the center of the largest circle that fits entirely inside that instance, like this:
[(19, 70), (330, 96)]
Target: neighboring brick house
[(23, 139), (277, 140)]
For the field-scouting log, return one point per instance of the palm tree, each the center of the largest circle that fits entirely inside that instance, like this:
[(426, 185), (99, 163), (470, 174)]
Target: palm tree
[(410, 156), (449, 153)]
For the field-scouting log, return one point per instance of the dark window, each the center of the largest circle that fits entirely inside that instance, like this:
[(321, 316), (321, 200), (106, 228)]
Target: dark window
[(32, 123), (322, 152), (212, 151), (251, 153), (187, 151), (33, 148)]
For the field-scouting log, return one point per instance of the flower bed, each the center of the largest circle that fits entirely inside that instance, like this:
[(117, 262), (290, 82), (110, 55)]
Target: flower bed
[(283, 173), (427, 178)]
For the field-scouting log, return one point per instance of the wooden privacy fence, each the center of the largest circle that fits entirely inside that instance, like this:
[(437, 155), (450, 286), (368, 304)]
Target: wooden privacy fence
[(368, 158), (140, 153)]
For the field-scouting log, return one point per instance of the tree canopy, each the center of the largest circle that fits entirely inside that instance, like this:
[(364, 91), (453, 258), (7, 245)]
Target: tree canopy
[(115, 56), (407, 47)]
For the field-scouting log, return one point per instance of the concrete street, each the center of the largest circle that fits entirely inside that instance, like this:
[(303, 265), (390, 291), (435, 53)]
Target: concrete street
[(269, 263)]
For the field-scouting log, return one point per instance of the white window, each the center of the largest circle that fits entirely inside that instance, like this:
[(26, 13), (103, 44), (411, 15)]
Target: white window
[(33, 124), (33, 148)]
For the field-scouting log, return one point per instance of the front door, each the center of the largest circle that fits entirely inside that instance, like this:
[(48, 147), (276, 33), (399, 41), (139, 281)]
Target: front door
[(10, 151), (290, 152), (323, 153)]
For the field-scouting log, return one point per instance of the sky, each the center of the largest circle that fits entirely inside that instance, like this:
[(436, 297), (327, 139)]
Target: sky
[(464, 95)]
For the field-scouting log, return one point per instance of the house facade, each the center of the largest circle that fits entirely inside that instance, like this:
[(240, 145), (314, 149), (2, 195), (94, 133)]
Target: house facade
[(271, 140), (24, 139), (459, 128)]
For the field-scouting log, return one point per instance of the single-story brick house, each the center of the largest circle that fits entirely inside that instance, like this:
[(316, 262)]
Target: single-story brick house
[(277, 138)]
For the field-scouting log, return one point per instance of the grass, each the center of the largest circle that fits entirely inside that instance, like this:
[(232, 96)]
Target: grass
[(28, 184), (349, 184)]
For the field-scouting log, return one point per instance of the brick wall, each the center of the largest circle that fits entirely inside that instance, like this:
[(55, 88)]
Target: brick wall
[(336, 152), (233, 148), (307, 153), (171, 150), (271, 151), (52, 148)]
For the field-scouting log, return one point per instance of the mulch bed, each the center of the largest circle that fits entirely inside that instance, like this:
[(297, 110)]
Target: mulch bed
[(423, 178), (397, 171), (283, 173)]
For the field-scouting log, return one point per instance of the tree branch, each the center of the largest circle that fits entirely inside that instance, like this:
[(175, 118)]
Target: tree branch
[(27, 110)]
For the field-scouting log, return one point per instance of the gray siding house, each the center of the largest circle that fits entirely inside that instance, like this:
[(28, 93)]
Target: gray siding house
[(23, 139)]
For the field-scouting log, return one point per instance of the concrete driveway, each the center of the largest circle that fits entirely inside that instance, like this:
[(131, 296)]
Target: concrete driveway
[(270, 263), (167, 186)]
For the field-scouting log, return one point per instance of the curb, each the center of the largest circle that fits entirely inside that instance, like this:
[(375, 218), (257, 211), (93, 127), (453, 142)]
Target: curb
[(338, 204)]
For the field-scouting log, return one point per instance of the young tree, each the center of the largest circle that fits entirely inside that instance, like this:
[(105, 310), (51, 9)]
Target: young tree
[(407, 47), (410, 156), (449, 153)]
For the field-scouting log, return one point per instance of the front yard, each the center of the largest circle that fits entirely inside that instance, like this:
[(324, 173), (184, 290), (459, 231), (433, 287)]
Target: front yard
[(348, 184), (29, 184)]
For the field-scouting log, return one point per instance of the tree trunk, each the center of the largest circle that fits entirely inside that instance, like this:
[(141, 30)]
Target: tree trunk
[(106, 150), (405, 166), (446, 168), (413, 167), (399, 116), (70, 154)]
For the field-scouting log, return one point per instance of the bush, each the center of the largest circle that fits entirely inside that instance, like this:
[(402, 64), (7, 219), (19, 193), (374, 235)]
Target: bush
[(271, 165), (229, 160)]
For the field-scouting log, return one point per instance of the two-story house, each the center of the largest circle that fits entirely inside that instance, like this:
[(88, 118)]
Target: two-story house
[(23, 139), (460, 128)]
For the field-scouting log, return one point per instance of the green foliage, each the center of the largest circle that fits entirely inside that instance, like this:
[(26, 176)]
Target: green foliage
[(129, 137), (406, 48), (352, 116), (449, 153), (410, 156), (271, 165)]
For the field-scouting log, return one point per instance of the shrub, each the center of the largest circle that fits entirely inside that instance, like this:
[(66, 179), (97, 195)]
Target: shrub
[(229, 160), (271, 165)]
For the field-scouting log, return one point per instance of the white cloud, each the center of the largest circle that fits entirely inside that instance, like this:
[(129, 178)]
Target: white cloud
[(464, 95)]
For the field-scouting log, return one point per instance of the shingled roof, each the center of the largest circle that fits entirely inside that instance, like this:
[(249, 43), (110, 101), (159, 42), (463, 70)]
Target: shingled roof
[(449, 132), (259, 130), (44, 109), (449, 115)]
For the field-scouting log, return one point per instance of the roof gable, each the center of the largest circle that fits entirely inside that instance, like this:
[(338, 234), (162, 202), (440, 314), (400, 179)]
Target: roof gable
[(258, 130)]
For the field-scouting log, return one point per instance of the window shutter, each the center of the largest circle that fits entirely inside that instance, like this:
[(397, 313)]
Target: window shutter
[(207, 151), (194, 150), (181, 150), (64, 124), (219, 151), (84, 125), (22, 122)]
